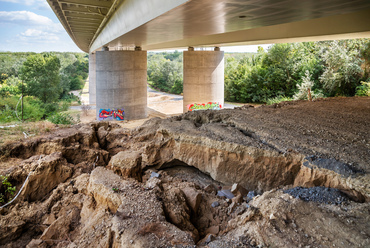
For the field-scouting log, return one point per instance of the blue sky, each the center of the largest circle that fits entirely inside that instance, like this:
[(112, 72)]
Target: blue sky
[(31, 26)]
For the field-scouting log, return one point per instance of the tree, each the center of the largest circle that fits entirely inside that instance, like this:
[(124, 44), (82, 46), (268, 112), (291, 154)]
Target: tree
[(40, 73), (343, 70), (164, 74)]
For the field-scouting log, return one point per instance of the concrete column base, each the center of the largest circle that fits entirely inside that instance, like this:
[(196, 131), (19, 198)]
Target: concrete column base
[(121, 85), (203, 80), (92, 78)]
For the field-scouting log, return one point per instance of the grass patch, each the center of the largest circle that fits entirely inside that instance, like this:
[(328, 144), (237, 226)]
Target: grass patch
[(278, 99)]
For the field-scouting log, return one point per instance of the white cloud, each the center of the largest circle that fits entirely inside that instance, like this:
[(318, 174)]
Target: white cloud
[(24, 18), (27, 18), (37, 3), (35, 35)]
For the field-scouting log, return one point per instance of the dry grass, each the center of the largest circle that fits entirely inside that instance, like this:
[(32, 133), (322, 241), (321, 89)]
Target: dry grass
[(20, 131)]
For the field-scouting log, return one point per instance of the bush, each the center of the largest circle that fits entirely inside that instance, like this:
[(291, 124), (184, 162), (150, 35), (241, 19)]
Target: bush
[(307, 83), (177, 87), (278, 99), (7, 190), (363, 89), (32, 109), (165, 74), (62, 118), (64, 105)]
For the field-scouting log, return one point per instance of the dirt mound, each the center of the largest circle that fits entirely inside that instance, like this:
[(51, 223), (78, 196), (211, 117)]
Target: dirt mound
[(202, 179)]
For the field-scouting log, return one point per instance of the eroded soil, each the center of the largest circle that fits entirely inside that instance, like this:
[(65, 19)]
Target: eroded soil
[(290, 175)]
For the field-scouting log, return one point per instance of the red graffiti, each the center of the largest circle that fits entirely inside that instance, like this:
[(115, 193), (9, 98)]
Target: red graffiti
[(117, 114)]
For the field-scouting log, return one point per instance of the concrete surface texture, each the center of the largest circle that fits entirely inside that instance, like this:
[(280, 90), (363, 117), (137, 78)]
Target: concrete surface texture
[(92, 78), (203, 77), (121, 81), (170, 24)]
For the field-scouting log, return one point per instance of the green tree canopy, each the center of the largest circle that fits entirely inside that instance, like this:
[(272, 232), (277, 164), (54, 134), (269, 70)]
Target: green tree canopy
[(40, 73)]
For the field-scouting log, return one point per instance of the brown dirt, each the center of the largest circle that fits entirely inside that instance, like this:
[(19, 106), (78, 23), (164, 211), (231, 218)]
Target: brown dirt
[(73, 198)]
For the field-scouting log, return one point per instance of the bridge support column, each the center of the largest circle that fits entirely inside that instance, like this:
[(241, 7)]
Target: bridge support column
[(92, 78), (121, 85), (203, 79)]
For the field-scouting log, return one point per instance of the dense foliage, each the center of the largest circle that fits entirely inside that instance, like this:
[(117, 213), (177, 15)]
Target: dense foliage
[(165, 71), (284, 71), (287, 71), (44, 79)]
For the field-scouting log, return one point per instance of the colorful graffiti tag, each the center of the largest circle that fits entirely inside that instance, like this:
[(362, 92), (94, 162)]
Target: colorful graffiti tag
[(111, 114), (204, 106)]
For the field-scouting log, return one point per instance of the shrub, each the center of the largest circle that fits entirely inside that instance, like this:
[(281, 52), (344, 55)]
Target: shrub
[(177, 87), (307, 83), (32, 109), (363, 89), (62, 118), (64, 106), (278, 99), (7, 190)]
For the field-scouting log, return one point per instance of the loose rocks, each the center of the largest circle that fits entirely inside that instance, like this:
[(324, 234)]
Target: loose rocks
[(318, 194)]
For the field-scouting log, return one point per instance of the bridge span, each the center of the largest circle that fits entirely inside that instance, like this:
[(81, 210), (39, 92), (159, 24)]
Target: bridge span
[(117, 34)]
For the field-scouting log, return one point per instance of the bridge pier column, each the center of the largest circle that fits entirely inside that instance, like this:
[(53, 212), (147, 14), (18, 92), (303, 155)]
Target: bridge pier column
[(121, 85), (203, 79), (92, 78)]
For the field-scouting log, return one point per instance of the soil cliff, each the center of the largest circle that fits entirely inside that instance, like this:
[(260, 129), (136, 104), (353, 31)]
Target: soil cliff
[(294, 174)]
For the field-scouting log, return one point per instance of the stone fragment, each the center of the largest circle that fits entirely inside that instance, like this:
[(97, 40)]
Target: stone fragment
[(49, 220), (238, 199), (178, 211), (51, 170), (237, 188), (215, 204), (213, 230), (206, 240), (225, 193), (154, 174), (36, 243), (60, 228), (210, 188), (251, 194), (210, 238), (153, 182), (193, 198), (231, 208), (127, 164)]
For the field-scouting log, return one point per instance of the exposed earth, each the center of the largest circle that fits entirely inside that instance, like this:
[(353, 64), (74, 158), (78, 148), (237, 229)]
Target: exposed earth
[(294, 174)]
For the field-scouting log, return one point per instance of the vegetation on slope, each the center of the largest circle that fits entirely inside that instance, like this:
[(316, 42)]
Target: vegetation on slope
[(284, 71), (45, 81)]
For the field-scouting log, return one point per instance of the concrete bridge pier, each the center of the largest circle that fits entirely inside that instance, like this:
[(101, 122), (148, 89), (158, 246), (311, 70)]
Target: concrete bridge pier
[(121, 85), (92, 78), (203, 79)]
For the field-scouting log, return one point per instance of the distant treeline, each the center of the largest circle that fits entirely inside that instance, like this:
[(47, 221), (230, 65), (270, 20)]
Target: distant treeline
[(165, 71), (284, 71), (45, 79)]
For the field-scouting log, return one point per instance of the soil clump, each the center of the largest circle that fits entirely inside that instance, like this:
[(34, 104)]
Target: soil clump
[(288, 175)]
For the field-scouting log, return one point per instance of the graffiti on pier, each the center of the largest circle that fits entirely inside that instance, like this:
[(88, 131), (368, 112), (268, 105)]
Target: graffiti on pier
[(111, 114), (204, 106)]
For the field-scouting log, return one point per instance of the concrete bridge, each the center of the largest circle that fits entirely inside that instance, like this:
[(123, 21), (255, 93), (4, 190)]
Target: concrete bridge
[(117, 33)]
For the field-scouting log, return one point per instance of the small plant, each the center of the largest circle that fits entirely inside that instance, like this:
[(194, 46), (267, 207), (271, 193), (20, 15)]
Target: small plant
[(62, 118), (65, 105), (7, 188), (363, 89), (115, 190), (278, 99), (85, 109)]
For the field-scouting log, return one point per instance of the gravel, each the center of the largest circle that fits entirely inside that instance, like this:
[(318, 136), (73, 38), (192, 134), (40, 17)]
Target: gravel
[(318, 194)]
